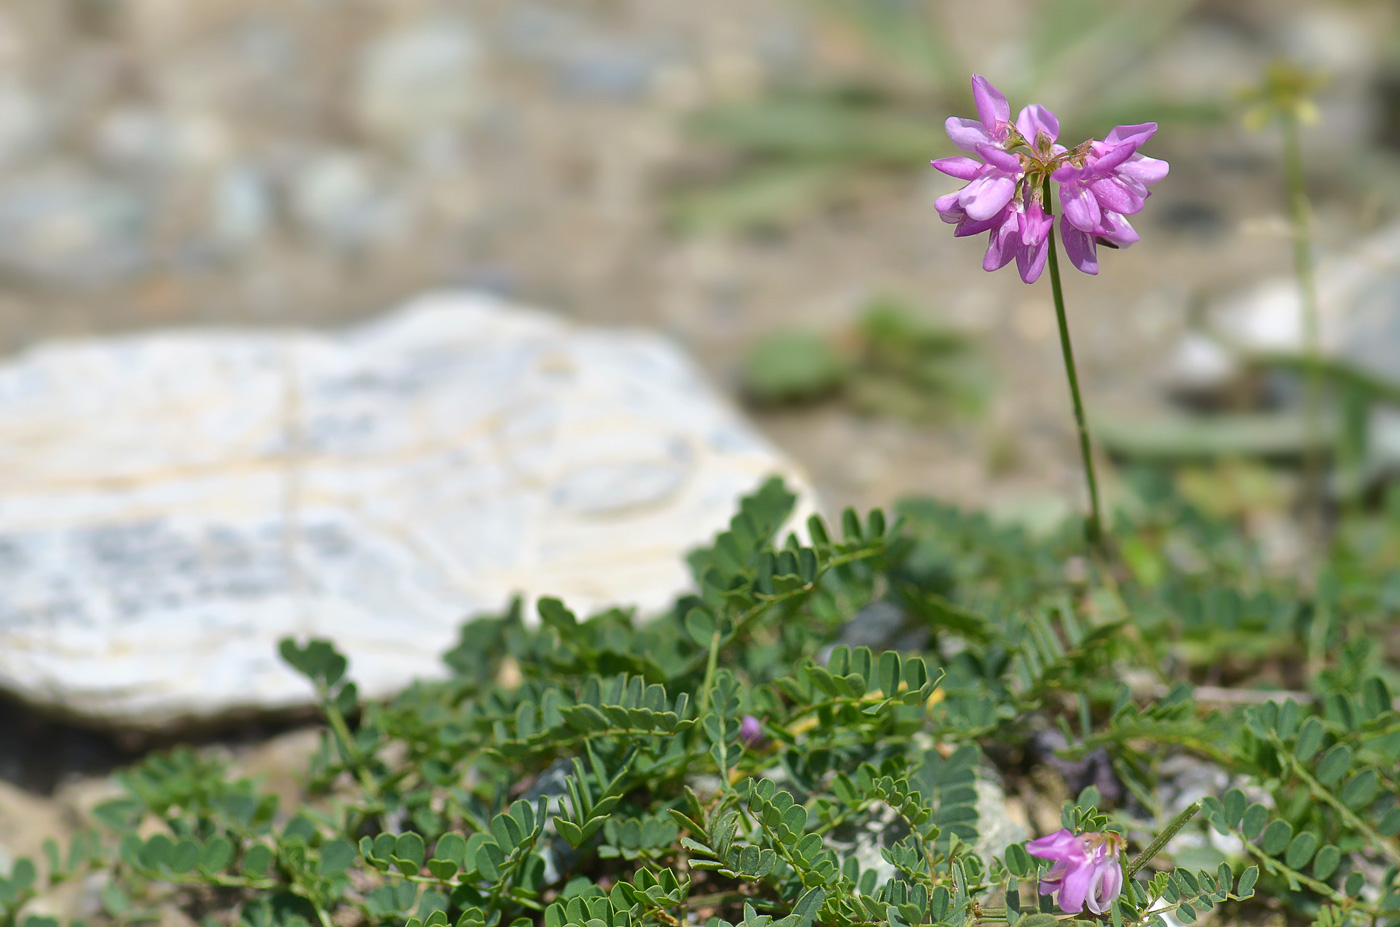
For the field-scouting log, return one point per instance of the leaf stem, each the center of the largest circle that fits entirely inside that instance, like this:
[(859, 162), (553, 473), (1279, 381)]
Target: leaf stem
[(1307, 293), (1324, 794), (1094, 526), (702, 703), (1173, 827), (348, 748)]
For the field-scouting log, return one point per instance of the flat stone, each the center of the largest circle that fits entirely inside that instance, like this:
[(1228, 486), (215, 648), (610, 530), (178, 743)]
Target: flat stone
[(1358, 296), (1358, 316), (177, 502)]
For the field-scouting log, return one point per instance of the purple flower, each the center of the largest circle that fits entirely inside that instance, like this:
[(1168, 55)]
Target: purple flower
[(1033, 241), (990, 184), (751, 732), (1017, 231), (1097, 195), (993, 123), (1035, 123), (1086, 870), (1007, 192)]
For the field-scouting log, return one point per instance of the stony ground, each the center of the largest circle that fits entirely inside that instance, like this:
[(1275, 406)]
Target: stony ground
[(281, 162)]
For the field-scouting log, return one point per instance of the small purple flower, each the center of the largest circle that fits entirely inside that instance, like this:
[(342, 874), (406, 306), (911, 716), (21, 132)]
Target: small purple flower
[(993, 123), (990, 184), (751, 732), (1086, 872), (1036, 123), (1097, 195), (1033, 241), (1007, 191)]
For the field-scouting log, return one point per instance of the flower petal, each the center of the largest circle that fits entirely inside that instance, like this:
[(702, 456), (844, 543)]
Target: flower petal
[(1076, 888), (968, 227), (959, 167), (1057, 846), (1079, 206), (1091, 896), (1034, 225), (1003, 161), (1107, 882), (1034, 119), (1030, 259), (1143, 169), (967, 134), (1033, 243), (984, 197), (1113, 195), (1133, 135), (992, 107), (1082, 253), (949, 209), (1111, 157), (1116, 229), (1001, 246)]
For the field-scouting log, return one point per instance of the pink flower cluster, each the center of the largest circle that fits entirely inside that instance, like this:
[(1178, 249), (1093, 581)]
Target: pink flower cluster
[(1086, 870), (1101, 183)]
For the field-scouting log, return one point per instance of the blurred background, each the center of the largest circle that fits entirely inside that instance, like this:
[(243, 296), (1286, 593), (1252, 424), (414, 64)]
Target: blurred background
[(748, 176)]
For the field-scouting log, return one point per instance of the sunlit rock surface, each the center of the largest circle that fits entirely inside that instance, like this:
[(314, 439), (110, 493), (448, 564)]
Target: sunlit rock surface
[(175, 503), (1358, 294)]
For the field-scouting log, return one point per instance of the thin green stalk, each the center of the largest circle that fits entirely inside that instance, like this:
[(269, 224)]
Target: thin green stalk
[(1173, 827), (1094, 526), (1307, 292), (702, 704), (348, 748)]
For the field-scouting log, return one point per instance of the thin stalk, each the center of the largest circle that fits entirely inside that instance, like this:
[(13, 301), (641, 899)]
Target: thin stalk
[(711, 667), (1307, 292), (1094, 526), (1173, 827), (350, 750)]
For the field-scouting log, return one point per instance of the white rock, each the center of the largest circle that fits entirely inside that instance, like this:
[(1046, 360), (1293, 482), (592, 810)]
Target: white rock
[(175, 503), (1358, 318)]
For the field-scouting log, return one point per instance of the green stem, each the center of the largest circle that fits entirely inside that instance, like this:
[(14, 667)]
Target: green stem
[(1324, 794), (1094, 526), (765, 602), (1269, 864), (1173, 827), (348, 748), (702, 704), (1307, 292)]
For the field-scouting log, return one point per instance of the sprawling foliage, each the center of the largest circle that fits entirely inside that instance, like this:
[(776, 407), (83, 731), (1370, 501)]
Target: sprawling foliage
[(907, 676)]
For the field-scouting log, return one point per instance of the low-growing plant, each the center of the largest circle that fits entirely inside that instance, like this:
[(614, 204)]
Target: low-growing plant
[(817, 735), (890, 363)]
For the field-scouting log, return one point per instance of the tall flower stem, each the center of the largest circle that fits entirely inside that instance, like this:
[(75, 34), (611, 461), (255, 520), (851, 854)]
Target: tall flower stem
[(1094, 526), (1307, 292)]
